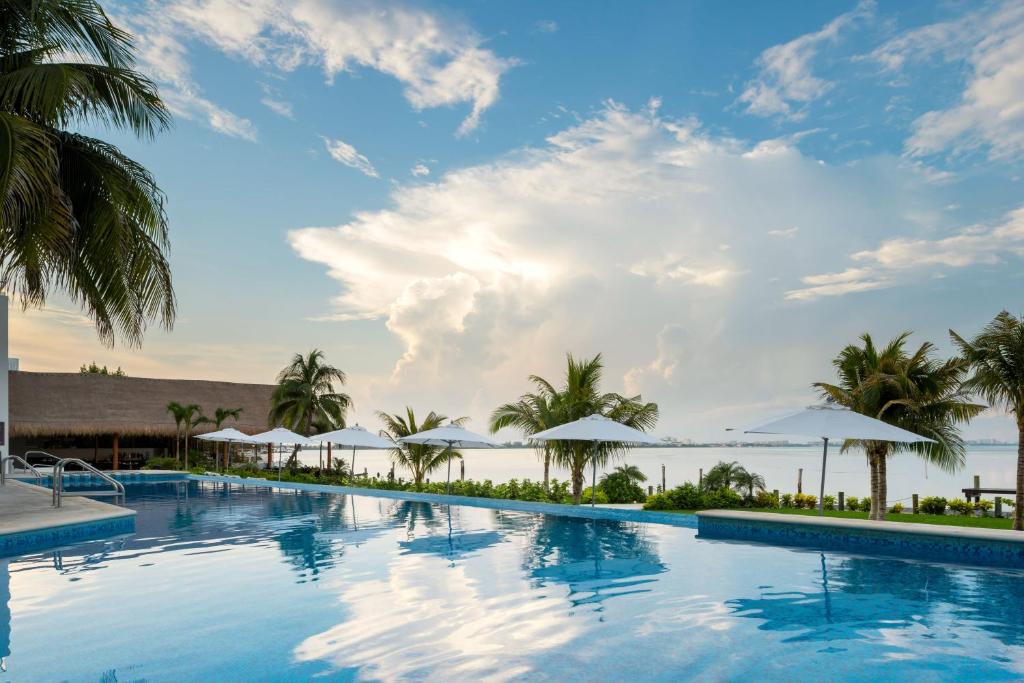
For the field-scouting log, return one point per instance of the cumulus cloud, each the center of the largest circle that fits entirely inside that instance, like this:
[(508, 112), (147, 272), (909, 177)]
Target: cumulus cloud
[(785, 72), (344, 153), (420, 170), (989, 113), (607, 238), (439, 62)]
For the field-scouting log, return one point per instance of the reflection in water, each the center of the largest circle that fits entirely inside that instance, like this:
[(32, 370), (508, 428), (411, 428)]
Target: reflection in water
[(859, 598)]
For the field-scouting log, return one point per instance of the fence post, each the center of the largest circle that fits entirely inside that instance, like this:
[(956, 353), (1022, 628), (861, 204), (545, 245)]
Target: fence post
[(977, 485), (663, 487), (913, 503), (800, 480), (650, 490), (998, 512), (775, 496), (700, 479), (842, 501)]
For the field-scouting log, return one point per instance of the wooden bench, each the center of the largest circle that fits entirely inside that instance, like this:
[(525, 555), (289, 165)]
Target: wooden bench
[(976, 493)]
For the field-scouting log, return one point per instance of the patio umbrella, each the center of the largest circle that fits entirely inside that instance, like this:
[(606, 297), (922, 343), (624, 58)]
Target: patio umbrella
[(356, 437), (228, 435), (597, 429), (830, 421), (449, 436), (282, 437)]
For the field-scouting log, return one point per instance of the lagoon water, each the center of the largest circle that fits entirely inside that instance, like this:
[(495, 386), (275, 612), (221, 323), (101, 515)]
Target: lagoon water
[(907, 474)]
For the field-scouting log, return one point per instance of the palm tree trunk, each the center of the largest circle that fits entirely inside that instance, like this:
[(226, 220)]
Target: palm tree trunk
[(186, 449), (547, 467), (578, 465), (883, 458), (177, 447), (1018, 512), (873, 466)]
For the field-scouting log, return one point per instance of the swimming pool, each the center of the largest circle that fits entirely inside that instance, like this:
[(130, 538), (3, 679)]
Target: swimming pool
[(229, 583)]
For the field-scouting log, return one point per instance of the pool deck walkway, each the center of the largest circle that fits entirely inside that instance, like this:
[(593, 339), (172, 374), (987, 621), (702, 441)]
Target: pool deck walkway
[(28, 519)]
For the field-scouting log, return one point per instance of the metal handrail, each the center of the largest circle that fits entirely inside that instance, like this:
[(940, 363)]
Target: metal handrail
[(57, 458), (17, 458), (58, 478)]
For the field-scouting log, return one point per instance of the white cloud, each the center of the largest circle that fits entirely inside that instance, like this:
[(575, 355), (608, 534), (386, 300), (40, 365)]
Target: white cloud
[(546, 26), (903, 256), (989, 113), (786, 71), (420, 170), (344, 153), (785, 233), (600, 240), (439, 62), (279, 107)]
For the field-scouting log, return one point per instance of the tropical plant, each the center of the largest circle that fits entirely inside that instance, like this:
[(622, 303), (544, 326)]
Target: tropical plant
[(580, 396), (723, 475), (915, 392), (748, 482), (93, 369), (932, 505), (219, 416), (996, 358), (192, 417), (622, 485), (76, 214), (419, 459), (177, 411), (305, 395), (532, 413)]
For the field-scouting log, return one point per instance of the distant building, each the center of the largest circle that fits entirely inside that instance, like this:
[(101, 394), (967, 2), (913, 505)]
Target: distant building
[(118, 422)]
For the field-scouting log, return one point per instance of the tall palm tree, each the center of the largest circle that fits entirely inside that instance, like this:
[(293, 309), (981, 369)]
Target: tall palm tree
[(532, 413), (219, 416), (305, 394), (631, 473), (996, 357), (177, 411), (915, 392), (76, 214), (579, 397), (419, 459), (192, 417)]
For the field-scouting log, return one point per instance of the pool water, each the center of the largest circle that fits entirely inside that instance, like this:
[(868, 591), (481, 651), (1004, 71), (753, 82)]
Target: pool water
[(230, 583)]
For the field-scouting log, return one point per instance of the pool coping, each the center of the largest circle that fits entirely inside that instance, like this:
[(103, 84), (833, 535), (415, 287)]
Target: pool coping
[(580, 511)]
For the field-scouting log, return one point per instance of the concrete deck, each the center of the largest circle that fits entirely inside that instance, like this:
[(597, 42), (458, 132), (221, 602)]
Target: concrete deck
[(27, 507), (940, 530)]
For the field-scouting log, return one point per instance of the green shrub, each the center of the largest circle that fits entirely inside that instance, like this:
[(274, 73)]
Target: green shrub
[(852, 503), (932, 505), (805, 500), (787, 500), (764, 499), (162, 464), (601, 499), (659, 501), (1009, 502), (985, 506), (723, 498), (961, 506), (897, 508), (865, 504), (829, 502), (621, 489)]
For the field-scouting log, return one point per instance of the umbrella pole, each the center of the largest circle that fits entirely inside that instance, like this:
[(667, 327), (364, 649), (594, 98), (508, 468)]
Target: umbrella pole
[(821, 492), (280, 454), (447, 484), (352, 474), (593, 477)]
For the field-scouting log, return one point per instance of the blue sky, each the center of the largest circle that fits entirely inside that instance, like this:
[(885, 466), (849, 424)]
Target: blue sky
[(449, 197)]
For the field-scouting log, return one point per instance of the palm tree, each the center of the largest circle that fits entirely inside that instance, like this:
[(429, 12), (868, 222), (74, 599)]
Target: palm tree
[(419, 459), (532, 413), (631, 473), (724, 475), (915, 392), (76, 214), (177, 411), (305, 394), (996, 357), (748, 481), (579, 397), (192, 417), (219, 416)]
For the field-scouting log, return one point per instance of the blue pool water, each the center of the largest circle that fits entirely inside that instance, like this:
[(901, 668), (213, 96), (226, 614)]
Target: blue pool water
[(224, 583)]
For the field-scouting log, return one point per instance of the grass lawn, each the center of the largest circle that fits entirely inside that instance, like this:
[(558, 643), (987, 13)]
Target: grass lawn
[(951, 520)]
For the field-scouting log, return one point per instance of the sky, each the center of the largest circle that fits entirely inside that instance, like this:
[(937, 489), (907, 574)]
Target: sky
[(448, 197)]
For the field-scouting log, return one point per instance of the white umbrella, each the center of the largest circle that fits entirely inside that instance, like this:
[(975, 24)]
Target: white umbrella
[(450, 435), (282, 437), (830, 421), (228, 435), (356, 437), (596, 428)]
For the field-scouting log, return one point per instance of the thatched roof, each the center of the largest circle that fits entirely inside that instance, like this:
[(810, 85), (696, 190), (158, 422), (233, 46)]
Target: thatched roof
[(66, 403)]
